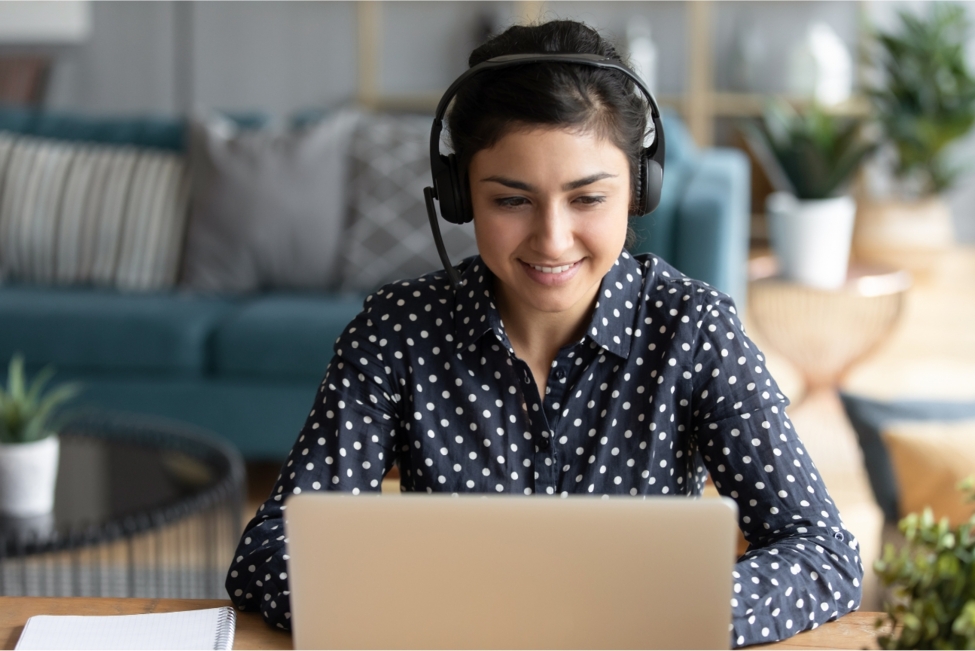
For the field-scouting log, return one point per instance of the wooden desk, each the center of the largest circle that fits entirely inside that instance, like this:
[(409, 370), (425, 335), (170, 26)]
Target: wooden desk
[(855, 631)]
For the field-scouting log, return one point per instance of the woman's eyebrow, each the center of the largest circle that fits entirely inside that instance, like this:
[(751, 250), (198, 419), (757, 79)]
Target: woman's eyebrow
[(511, 183), (571, 185)]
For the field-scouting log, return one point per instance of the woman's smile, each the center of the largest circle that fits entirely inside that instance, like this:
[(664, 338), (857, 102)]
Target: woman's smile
[(552, 274)]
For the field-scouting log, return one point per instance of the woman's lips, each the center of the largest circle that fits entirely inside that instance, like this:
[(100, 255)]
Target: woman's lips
[(554, 275)]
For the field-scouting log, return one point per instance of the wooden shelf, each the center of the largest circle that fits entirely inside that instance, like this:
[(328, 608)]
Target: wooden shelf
[(743, 105)]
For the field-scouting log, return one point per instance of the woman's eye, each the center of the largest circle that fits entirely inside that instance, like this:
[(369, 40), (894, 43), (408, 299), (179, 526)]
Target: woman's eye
[(591, 200), (511, 202)]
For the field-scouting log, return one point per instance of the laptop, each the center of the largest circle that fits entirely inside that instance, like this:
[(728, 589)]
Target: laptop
[(509, 572)]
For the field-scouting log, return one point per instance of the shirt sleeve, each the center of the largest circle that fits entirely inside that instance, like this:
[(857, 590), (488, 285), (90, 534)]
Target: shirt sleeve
[(346, 444), (803, 566)]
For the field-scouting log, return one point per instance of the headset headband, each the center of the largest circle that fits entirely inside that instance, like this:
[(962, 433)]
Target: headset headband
[(512, 60)]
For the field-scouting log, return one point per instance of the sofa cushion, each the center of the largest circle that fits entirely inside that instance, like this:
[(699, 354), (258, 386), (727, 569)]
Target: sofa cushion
[(870, 417), (76, 213), (286, 336), (154, 132), (388, 236), (102, 330), (268, 206)]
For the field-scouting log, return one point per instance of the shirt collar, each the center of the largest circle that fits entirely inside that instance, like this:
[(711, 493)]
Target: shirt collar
[(475, 313), (611, 326)]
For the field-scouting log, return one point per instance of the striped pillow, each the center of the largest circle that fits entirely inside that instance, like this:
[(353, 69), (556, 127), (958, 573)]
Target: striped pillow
[(73, 213)]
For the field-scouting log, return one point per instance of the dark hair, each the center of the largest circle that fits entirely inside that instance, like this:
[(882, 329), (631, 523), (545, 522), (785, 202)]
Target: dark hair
[(493, 103)]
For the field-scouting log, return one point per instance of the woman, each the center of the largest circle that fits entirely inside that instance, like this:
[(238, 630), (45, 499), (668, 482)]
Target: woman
[(561, 364)]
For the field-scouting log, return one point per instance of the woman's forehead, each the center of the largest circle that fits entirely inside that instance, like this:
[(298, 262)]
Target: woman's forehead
[(533, 141)]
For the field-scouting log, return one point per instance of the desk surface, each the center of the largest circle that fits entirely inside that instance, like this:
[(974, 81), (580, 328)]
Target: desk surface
[(854, 631)]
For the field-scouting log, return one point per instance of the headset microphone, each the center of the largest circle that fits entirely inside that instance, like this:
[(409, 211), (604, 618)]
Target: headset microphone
[(449, 186)]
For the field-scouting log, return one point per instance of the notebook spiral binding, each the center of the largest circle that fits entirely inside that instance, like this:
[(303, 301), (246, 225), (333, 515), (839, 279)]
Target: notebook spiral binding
[(225, 629)]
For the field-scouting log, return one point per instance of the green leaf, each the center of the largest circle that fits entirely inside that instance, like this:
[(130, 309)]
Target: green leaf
[(15, 378), (37, 386)]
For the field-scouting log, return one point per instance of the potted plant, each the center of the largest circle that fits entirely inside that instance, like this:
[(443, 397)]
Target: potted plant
[(810, 158), (923, 101), (29, 443), (933, 580)]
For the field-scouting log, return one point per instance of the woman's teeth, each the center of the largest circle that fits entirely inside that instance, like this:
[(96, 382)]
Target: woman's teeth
[(551, 270)]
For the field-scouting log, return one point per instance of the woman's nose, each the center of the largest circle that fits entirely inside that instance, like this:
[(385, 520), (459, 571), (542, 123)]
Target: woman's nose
[(553, 232)]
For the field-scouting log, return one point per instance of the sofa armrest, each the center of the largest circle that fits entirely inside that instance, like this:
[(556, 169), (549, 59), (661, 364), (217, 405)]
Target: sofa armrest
[(713, 222)]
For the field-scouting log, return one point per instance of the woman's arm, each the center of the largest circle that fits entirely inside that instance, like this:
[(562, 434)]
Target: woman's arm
[(347, 444), (803, 566)]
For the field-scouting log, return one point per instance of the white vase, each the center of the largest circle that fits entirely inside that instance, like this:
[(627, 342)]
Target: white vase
[(28, 472), (811, 238)]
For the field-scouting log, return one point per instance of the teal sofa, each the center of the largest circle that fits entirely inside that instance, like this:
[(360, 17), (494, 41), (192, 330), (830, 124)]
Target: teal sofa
[(247, 367)]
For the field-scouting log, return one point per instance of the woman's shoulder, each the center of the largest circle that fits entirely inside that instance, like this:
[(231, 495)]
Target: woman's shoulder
[(665, 284), (414, 304)]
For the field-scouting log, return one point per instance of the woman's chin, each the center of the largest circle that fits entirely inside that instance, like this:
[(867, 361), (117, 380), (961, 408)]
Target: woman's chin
[(554, 299)]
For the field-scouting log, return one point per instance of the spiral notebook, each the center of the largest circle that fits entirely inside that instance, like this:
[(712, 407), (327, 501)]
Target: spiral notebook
[(211, 628)]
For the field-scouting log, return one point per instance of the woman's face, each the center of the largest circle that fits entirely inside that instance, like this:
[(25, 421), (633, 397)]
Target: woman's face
[(550, 217)]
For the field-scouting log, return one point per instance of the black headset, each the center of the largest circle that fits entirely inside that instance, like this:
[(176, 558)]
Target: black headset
[(449, 183)]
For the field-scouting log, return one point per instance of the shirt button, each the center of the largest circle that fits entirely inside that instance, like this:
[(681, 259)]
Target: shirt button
[(543, 444), (528, 378), (560, 374)]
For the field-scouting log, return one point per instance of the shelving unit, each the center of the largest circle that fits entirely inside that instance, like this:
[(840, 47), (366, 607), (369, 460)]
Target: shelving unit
[(700, 105)]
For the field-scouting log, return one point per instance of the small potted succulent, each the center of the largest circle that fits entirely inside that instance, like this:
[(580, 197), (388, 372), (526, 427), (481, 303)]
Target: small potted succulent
[(933, 580), (923, 100), (29, 444), (809, 157)]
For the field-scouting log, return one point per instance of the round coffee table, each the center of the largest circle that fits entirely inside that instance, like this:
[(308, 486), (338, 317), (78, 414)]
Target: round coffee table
[(825, 332), (144, 507)]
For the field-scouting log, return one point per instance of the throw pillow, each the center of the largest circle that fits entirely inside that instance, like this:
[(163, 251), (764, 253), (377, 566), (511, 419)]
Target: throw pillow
[(870, 417), (929, 460), (268, 206), (73, 213), (389, 233)]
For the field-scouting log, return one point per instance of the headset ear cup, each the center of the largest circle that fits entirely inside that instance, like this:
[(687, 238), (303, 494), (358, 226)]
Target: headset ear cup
[(653, 180), (640, 191), (445, 191), (462, 195), (454, 202)]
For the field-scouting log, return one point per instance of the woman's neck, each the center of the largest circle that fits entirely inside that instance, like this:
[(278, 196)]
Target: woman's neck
[(537, 336)]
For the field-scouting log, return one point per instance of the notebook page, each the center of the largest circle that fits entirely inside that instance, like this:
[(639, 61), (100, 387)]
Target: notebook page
[(191, 629)]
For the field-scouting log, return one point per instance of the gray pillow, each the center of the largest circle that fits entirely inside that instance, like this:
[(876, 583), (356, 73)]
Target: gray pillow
[(388, 237), (268, 207)]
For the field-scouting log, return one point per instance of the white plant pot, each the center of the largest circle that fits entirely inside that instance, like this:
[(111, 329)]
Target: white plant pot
[(811, 238), (28, 472)]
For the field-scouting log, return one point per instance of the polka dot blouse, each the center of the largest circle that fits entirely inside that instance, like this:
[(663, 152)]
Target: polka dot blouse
[(663, 389)]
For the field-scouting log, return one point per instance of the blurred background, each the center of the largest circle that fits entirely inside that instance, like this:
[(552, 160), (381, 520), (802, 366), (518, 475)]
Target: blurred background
[(713, 62), (196, 196)]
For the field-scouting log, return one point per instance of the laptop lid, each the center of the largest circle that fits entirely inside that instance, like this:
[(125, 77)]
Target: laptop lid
[(503, 572)]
